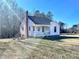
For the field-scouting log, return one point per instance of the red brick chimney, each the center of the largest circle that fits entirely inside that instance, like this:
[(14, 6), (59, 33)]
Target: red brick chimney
[(26, 24)]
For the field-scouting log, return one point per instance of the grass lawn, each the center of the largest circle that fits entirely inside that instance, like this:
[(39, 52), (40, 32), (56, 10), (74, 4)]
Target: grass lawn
[(67, 47)]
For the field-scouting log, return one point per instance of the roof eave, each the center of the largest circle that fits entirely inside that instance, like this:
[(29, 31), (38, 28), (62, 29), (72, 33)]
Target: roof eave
[(41, 25)]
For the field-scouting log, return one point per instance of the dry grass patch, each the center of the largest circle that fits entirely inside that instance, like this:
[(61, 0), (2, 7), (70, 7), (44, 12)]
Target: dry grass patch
[(35, 48)]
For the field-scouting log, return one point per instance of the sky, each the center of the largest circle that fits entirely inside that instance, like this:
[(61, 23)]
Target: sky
[(66, 11)]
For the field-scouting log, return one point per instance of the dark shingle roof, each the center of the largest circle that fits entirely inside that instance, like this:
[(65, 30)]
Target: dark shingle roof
[(40, 20)]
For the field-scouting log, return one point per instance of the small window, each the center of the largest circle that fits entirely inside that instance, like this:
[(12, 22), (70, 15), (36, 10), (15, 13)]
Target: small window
[(22, 28), (55, 29), (38, 28), (22, 35), (43, 29), (29, 28), (33, 28)]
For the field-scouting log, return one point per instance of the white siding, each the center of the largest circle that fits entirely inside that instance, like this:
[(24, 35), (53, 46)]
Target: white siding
[(49, 30), (36, 32), (52, 25), (23, 31), (30, 24)]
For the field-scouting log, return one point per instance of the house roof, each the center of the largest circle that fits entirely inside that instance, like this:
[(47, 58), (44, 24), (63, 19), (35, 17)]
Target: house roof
[(40, 20)]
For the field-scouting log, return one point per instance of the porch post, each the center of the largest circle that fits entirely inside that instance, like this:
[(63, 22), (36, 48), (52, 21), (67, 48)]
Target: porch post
[(51, 28)]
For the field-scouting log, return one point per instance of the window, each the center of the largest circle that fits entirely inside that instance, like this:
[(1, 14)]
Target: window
[(43, 29), (29, 28), (38, 28), (55, 29), (33, 28), (22, 28)]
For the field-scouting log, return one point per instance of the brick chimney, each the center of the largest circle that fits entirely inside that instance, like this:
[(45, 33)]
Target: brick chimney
[(26, 24)]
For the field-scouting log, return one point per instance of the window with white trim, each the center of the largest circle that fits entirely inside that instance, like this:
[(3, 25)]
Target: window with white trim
[(33, 28), (38, 28), (55, 29)]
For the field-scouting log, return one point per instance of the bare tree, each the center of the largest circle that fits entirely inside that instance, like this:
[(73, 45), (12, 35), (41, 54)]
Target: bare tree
[(10, 18), (62, 24), (49, 15)]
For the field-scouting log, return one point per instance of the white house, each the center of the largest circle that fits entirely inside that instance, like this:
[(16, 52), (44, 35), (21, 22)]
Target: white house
[(39, 26)]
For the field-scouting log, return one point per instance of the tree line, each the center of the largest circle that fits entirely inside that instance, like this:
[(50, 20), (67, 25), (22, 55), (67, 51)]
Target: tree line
[(49, 14), (10, 17), (74, 29)]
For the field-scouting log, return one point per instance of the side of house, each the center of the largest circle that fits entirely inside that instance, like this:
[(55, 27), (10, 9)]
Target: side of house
[(54, 28)]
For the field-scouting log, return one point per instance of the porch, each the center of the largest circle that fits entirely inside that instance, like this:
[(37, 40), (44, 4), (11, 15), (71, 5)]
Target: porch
[(39, 30)]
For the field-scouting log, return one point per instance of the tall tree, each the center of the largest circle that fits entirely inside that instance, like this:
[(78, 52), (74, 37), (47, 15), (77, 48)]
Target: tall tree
[(42, 14), (37, 13), (49, 15), (74, 28), (62, 24), (10, 17)]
